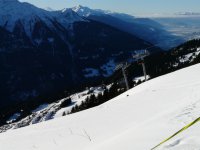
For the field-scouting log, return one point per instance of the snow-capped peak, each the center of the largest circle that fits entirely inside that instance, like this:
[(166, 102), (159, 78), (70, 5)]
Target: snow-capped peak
[(78, 8), (86, 11), (68, 16), (49, 9), (12, 11), (19, 9)]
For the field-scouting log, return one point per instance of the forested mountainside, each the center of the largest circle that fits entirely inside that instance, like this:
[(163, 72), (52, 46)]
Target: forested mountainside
[(44, 53), (156, 64)]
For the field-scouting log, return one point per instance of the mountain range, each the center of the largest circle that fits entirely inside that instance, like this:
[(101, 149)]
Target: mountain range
[(65, 65), (145, 28), (43, 52)]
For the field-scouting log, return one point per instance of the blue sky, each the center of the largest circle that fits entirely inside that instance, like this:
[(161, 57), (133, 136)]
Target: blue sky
[(127, 6)]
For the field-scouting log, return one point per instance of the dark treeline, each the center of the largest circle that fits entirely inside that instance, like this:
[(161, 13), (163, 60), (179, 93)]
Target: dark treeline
[(92, 100), (160, 63), (25, 107)]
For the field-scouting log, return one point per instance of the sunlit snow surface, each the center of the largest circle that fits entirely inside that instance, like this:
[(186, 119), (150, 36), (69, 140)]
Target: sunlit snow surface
[(136, 120)]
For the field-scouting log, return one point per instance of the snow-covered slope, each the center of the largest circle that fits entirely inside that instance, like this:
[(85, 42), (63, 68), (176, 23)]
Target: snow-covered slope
[(13, 11), (50, 111), (85, 11), (138, 119)]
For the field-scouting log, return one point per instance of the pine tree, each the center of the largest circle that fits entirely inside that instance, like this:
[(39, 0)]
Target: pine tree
[(100, 98), (105, 96), (64, 114), (113, 91)]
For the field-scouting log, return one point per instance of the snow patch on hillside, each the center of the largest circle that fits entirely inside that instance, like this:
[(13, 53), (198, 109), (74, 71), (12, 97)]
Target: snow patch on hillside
[(108, 68), (40, 108), (91, 72), (140, 79), (47, 112), (14, 117)]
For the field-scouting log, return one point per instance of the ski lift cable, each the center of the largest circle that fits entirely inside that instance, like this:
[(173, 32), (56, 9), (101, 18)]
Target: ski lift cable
[(137, 57), (146, 53)]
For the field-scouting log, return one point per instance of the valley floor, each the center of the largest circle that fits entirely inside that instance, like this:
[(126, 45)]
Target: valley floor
[(136, 120)]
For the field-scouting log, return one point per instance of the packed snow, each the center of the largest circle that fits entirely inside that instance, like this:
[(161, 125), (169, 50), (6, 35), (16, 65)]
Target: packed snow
[(139, 119)]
